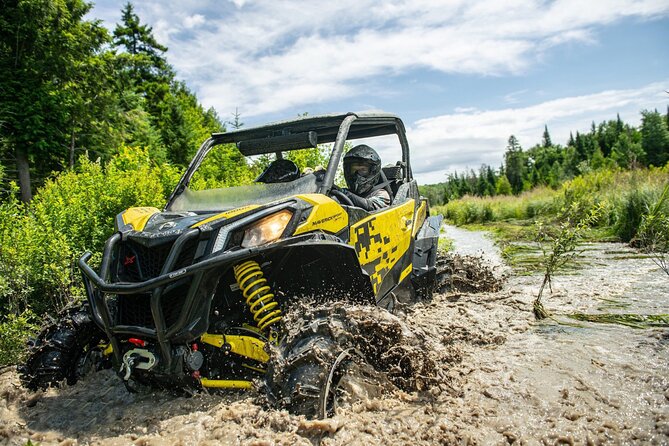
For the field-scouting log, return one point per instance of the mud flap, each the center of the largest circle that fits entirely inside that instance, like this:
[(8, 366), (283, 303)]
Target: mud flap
[(425, 257)]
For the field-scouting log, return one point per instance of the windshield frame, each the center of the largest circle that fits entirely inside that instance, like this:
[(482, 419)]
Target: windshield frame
[(371, 124)]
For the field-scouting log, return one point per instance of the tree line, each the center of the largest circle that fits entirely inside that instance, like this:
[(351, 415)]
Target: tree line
[(609, 144), (69, 87)]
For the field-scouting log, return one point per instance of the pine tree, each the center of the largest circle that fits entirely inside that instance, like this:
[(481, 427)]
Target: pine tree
[(546, 138), (51, 81), (236, 122), (514, 164), (655, 138), (145, 68), (627, 153)]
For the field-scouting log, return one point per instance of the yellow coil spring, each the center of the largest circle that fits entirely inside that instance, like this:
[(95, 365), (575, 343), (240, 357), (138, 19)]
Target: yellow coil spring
[(258, 294)]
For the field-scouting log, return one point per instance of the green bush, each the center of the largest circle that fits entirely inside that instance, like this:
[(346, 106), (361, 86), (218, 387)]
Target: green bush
[(14, 332), (72, 213)]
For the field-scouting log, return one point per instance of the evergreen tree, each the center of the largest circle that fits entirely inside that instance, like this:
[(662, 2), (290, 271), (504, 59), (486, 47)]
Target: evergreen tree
[(597, 161), (546, 138), (554, 175), (52, 78), (514, 165), (627, 153), (491, 179), (145, 57), (655, 138), (236, 122)]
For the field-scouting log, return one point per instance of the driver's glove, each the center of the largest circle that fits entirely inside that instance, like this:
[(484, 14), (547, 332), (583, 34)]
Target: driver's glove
[(358, 201)]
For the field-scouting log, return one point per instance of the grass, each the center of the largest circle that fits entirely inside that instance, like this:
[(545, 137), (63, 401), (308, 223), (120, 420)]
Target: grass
[(542, 230), (628, 320), (628, 196)]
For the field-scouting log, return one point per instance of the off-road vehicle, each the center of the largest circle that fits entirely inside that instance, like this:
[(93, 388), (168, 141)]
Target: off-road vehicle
[(194, 296)]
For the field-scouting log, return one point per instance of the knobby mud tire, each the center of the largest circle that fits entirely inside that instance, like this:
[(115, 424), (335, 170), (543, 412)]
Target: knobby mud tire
[(320, 356), (64, 350)]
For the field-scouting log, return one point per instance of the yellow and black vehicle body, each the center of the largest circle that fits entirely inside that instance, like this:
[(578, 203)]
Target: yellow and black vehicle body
[(189, 295)]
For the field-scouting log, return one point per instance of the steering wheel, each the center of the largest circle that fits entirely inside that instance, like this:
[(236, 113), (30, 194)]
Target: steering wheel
[(341, 197)]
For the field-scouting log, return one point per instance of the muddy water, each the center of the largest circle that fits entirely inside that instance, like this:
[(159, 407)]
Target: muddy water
[(500, 377)]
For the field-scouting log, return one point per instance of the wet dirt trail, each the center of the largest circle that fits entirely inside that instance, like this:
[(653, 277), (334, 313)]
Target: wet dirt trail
[(495, 376)]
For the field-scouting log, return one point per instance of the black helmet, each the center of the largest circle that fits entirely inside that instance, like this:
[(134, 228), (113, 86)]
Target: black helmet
[(279, 171), (362, 168)]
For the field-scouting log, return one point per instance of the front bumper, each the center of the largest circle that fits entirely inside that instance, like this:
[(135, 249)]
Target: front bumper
[(189, 313)]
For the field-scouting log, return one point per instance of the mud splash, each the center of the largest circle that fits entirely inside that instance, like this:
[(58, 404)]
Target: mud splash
[(467, 274), (470, 368)]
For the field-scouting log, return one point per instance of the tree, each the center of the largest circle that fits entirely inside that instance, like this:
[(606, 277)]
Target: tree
[(48, 87), (654, 138), (627, 153), (236, 122), (546, 138), (514, 164), (144, 60), (503, 187)]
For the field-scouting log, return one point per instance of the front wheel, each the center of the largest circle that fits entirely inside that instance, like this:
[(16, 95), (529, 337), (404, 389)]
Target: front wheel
[(317, 370), (64, 350)]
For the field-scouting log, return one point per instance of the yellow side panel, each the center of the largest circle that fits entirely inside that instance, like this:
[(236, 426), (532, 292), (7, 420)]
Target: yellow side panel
[(246, 346), (327, 215), (382, 239), (227, 214), (406, 272), (137, 217), (421, 214)]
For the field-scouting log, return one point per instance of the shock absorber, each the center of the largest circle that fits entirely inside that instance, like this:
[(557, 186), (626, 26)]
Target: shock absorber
[(258, 294)]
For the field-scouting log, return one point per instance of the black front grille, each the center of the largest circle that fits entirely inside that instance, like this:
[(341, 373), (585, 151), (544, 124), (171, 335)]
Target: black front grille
[(135, 309), (137, 263)]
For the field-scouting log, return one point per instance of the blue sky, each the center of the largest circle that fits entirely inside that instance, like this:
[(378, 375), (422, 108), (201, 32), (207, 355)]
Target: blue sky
[(462, 74)]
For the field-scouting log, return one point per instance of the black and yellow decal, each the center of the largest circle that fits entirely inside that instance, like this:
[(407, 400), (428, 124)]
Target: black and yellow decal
[(138, 217), (382, 240), (326, 215), (227, 214)]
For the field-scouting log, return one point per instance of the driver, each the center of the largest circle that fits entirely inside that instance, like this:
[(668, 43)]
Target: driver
[(362, 170)]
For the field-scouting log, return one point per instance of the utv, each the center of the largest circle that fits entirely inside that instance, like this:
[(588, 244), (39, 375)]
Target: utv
[(194, 296)]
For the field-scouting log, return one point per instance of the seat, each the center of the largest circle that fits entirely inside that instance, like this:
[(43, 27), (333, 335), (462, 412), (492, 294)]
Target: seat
[(394, 174)]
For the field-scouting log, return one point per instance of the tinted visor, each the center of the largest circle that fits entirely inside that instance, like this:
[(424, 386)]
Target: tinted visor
[(361, 168)]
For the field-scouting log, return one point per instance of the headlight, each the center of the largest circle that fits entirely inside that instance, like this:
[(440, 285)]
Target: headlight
[(267, 229)]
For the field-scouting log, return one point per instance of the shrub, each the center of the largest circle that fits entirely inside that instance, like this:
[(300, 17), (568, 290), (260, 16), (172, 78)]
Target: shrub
[(72, 213), (14, 332)]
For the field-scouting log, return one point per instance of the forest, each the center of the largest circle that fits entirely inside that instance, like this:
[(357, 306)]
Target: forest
[(611, 144)]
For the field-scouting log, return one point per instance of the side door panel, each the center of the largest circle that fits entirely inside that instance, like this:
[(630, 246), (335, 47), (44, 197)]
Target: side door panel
[(382, 242)]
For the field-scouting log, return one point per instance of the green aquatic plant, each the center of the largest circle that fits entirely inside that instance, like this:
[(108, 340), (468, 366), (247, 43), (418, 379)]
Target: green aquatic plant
[(559, 248), (653, 232), (628, 320)]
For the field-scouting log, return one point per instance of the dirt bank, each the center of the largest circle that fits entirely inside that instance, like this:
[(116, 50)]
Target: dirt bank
[(494, 377)]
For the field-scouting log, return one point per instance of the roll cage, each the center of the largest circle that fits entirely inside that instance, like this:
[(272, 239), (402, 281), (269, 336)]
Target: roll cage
[(301, 133)]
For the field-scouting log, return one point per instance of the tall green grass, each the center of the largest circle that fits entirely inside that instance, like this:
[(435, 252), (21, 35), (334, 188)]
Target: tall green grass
[(625, 197)]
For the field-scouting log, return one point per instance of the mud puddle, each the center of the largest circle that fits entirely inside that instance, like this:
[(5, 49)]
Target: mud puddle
[(489, 374)]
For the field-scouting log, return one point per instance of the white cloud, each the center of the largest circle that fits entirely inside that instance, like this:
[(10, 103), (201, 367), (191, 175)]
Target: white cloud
[(463, 140), (265, 57), (239, 3), (193, 21)]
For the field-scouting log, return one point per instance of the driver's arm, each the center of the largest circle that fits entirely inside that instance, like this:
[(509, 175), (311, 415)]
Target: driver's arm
[(378, 200)]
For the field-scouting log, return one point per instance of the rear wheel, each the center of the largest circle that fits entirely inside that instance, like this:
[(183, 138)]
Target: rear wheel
[(65, 350), (317, 370)]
